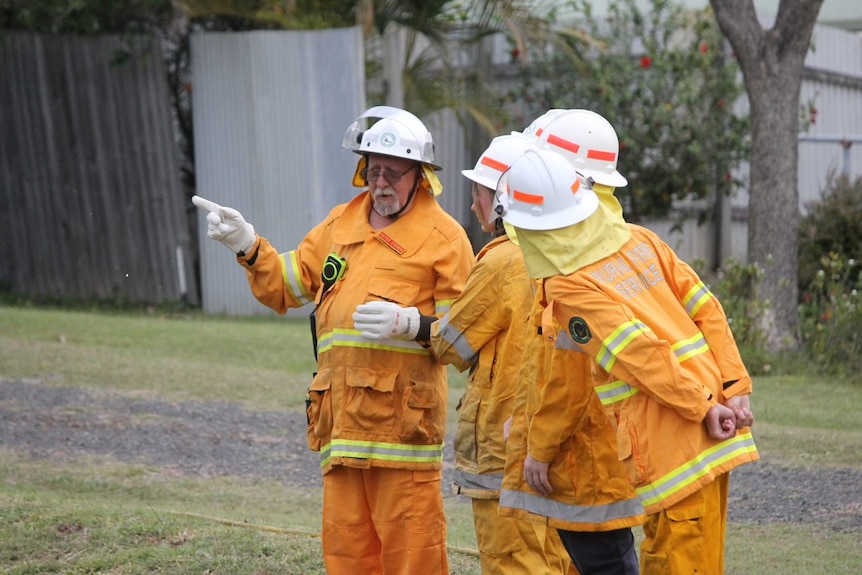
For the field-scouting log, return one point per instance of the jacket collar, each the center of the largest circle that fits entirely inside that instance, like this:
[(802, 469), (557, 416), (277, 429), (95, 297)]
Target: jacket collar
[(403, 236)]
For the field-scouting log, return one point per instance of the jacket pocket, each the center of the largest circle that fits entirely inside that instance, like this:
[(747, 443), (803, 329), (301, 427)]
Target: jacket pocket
[(318, 410), (629, 454), (422, 416), (483, 374), (368, 401), (465, 444), (394, 290)]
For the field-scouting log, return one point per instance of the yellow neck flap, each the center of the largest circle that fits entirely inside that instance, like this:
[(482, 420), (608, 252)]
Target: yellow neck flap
[(562, 251)]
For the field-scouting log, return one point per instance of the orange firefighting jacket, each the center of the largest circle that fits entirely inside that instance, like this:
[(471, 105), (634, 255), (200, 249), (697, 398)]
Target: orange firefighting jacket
[(484, 330), (664, 354), (560, 420), (371, 403)]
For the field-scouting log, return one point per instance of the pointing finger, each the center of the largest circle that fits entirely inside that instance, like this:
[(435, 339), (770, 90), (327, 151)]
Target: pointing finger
[(205, 204)]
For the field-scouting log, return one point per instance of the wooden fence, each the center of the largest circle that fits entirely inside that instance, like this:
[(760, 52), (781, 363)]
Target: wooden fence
[(91, 204)]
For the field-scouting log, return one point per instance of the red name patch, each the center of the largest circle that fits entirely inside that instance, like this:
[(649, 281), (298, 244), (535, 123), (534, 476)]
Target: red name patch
[(390, 243)]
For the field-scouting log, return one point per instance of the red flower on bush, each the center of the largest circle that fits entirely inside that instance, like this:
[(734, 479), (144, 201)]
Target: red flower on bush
[(703, 48), (646, 62)]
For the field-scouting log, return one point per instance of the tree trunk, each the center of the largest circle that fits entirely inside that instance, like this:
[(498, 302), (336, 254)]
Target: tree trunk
[(772, 62), (393, 65)]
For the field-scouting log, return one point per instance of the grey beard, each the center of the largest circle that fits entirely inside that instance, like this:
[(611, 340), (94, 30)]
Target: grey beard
[(385, 209)]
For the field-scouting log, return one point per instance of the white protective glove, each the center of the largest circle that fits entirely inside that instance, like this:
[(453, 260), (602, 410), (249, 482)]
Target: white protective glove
[(227, 226), (386, 320)]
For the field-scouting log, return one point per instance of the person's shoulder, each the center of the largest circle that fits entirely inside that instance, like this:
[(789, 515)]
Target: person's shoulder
[(447, 225), (639, 229), (501, 252), (646, 234), (339, 210)]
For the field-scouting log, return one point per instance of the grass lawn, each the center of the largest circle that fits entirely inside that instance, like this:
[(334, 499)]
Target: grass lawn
[(104, 516)]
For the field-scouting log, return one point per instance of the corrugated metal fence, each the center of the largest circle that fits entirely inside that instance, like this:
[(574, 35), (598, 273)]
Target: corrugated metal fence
[(91, 204), (270, 111)]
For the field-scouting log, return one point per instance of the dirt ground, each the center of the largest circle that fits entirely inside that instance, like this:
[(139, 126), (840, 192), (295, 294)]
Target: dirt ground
[(207, 439)]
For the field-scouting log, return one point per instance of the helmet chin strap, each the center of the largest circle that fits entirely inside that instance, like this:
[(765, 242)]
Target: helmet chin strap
[(393, 217)]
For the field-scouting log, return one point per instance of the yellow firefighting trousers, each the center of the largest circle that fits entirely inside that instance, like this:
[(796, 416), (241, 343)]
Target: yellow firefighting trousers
[(379, 521), (688, 537), (511, 546)]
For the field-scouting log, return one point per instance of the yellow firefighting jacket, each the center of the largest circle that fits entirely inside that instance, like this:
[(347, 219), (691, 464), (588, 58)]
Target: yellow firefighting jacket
[(560, 420), (484, 330), (371, 403), (664, 354)]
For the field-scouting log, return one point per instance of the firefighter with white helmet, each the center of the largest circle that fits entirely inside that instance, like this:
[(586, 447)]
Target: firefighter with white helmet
[(389, 262), (667, 369), (483, 332), (584, 495)]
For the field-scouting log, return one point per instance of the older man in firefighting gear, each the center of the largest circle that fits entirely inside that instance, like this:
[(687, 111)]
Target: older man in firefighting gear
[(667, 368), (559, 438), (376, 408)]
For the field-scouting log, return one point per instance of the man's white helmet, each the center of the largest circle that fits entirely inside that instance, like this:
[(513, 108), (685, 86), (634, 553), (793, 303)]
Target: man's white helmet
[(397, 133), (589, 142), (543, 191), (497, 158), (538, 125)]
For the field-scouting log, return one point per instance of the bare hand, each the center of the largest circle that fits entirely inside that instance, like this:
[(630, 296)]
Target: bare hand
[(536, 476), (741, 410), (720, 422)]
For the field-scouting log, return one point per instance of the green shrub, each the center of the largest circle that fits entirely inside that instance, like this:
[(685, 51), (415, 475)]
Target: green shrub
[(734, 286), (832, 225), (830, 318)]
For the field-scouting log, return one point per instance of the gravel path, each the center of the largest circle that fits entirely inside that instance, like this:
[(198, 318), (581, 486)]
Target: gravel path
[(208, 439)]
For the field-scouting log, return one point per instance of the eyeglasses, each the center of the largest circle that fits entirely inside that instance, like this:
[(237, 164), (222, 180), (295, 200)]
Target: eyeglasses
[(391, 176)]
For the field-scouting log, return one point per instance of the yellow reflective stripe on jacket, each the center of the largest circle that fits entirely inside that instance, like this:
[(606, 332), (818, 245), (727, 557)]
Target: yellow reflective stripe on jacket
[(695, 298), (380, 451), (693, 470), (613, 392), (690, 347), (548, 507), (293, 278), (609, 393), (617, 341), (442, 306), (343, 337), (619, 390), (456, 339)]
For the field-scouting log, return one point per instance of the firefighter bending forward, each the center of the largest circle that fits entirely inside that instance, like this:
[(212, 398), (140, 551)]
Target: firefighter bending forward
[(667, 369), (376, 408)]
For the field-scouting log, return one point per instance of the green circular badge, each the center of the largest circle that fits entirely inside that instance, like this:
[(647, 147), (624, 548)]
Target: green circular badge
[(579, 331)]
